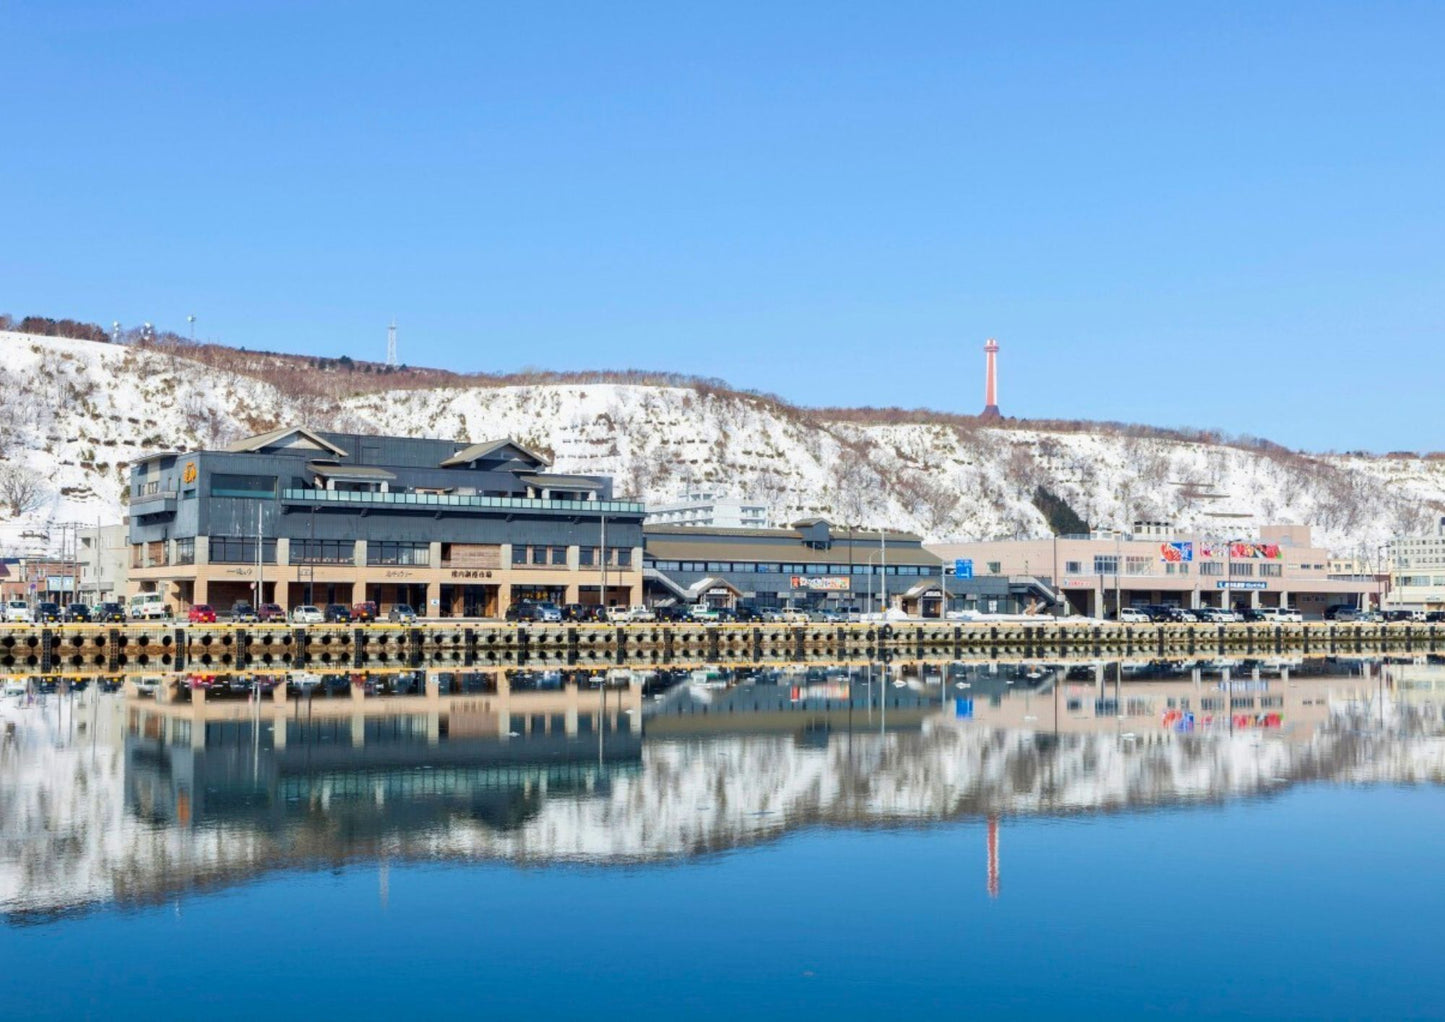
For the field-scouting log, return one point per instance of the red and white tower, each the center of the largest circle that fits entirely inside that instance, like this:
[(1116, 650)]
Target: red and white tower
[(993, 856), (990, 384)]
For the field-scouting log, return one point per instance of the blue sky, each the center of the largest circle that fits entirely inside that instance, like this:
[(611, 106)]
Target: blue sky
[(1212, 214)]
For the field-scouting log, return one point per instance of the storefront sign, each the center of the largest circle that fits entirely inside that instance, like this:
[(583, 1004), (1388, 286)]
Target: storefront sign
[(822, 583), (398, 573), (471, 573), (1232, 584)]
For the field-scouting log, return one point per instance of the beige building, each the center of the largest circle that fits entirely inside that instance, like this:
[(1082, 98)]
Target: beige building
[(1154, 564), (1417, 571)]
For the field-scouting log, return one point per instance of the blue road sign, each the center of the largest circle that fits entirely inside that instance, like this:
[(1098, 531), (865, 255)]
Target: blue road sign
[(963, 568)]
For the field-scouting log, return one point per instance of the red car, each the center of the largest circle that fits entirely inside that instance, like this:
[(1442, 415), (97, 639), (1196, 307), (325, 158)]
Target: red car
[(270, 612), (201, 614), (364, 611)]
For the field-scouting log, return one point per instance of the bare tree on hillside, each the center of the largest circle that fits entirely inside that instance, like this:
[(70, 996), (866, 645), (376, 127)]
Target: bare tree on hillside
[(22, 489)]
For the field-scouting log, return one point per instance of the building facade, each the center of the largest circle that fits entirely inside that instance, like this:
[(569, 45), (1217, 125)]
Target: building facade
[(811, 565), (102, 556), (450, 528), (1095, 575), (1417, 571), (710, 510)]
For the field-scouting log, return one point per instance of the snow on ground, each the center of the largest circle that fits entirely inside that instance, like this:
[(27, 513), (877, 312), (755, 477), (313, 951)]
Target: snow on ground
[(80, 411)]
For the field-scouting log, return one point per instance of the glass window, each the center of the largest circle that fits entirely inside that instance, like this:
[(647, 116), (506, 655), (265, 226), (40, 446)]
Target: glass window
[(1073, 567), (559, 555), (586, 556), (624, 557), (255, 487), (323, 551), (1237, 569), (1211, 568), (539, 555), (519, 554), (186, 551), (398, 553), (995, 567), (233, 550), (1271, 570), (1105, 564)]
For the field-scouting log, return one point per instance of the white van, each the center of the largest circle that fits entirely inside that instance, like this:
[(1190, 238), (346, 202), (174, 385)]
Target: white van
[(18, 612), (1279, 615), (147, 607)]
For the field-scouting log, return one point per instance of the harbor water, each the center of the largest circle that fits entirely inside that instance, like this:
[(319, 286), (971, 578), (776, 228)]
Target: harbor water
[(1095, 839)]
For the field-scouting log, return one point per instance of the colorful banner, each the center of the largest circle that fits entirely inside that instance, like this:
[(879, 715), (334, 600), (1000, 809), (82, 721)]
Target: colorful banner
[(1243, 551), (1176, 553), (1255, 551), (824, 583)]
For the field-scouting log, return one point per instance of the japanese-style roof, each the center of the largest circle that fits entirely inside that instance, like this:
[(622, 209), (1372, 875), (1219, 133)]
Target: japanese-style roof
[(579, 482), (467, 455), (270, 439), (334, 471)]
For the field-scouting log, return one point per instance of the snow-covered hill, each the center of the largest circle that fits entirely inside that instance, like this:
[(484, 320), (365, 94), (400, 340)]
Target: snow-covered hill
[(79, 411)]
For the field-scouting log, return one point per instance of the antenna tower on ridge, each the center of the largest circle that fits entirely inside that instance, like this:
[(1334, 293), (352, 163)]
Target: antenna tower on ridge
[(391, 344)]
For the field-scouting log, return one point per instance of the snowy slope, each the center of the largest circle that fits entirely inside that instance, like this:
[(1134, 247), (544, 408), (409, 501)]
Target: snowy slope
[(79, 411)]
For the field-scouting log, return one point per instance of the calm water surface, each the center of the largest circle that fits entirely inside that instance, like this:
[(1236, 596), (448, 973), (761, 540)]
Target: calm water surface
[(1200, 839)]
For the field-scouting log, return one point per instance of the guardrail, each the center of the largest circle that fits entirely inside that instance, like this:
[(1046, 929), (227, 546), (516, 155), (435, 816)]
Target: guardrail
[(82, 650)]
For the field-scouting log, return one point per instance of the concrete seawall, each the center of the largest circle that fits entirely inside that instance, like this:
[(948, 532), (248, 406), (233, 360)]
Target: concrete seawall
[(89, 651)]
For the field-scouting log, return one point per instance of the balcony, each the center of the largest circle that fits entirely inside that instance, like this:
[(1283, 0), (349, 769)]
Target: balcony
[(457, 502), (149, 504)]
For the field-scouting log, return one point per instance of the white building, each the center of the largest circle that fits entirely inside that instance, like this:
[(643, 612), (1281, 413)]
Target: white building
[(710, 510), (1417, 571), (101, 556)]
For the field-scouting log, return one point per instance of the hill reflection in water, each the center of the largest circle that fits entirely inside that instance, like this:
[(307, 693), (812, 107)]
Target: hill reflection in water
[(108, 799)]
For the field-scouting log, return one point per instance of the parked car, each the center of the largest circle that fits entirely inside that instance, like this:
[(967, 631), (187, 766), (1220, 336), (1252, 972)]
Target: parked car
[(539, 611), (583, 613), (337, 613), (364, 611), (1273, 615), (109, 613), (1396, 616), (1135, 616), (201, 614), (637, 614), (1435, 616), (671, 612), (48, 612), (746, 615), (702, 612), (147, 607), (19, 612), (401, 612), (1344, 613), (1334, 610), (243, 611), (270, 612), (78, 612), (1216, 615), (306, 614)]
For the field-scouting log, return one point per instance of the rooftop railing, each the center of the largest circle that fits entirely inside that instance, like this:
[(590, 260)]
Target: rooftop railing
[(462, 501)]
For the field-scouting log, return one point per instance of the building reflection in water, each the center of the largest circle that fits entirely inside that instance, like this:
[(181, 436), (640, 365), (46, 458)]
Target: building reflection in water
[(106, 798)]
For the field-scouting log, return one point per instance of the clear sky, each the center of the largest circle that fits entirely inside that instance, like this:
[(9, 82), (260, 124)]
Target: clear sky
[(1204, 214)]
